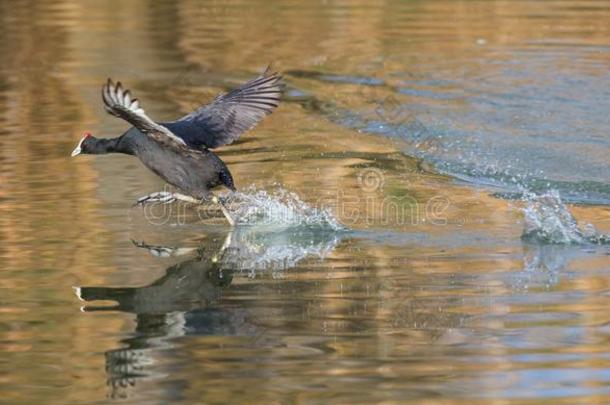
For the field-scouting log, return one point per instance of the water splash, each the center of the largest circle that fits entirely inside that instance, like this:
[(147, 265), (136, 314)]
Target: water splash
[(278, 209), (547, 219), (252, 249)]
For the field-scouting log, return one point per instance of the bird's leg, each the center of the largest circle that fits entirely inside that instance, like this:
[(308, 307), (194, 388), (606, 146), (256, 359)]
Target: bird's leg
[(224, 210), (186, 198), (166, 197)]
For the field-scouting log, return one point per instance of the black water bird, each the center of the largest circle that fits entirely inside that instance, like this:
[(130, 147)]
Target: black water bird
[(179, 151)]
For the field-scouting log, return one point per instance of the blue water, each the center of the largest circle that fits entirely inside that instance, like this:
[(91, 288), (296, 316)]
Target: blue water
[(535, 118)]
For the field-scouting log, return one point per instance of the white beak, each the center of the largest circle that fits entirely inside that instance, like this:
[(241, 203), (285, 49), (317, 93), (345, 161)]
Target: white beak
[(77, 150), (77, 291)]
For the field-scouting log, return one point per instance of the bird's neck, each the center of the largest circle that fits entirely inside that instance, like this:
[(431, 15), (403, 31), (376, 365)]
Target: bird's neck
[(110, 145)]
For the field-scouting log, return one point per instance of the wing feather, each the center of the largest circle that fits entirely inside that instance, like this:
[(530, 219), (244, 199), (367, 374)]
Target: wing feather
[(118, 102), (229, 115)]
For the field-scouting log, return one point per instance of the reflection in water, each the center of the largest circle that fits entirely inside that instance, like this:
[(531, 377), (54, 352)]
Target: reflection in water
[(542, 265), (413, 313), (187, 300)]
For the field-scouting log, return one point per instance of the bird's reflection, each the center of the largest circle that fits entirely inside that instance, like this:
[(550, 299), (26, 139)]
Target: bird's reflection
[(188, 299)]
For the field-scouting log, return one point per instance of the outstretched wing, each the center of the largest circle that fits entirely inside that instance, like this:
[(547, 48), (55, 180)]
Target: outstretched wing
[(118, 102), (227, 117)]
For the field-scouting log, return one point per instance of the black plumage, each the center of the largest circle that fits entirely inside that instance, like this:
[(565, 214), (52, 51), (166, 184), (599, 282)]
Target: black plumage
[(223, 120), (178, 151)]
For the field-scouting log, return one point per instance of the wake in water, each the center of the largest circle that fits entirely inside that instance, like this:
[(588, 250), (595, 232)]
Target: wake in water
[(547, 219)]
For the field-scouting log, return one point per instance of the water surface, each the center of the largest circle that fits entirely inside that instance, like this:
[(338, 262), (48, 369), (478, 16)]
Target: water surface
[(417, 126)]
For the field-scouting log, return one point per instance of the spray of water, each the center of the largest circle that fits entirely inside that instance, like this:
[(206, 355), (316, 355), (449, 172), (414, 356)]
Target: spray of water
[(548, 220), (278, 209)]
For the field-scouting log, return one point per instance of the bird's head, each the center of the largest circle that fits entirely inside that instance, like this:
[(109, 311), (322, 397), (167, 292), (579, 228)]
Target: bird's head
[(85, 145)]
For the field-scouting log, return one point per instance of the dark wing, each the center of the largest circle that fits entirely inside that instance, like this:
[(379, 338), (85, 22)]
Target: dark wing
[(227, 117), (118, 102)]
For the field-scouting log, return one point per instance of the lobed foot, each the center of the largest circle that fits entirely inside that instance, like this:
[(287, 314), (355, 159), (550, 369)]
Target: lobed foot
[(165, 197)]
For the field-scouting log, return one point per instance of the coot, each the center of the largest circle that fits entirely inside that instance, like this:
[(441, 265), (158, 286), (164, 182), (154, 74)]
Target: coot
[(179, 151)]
